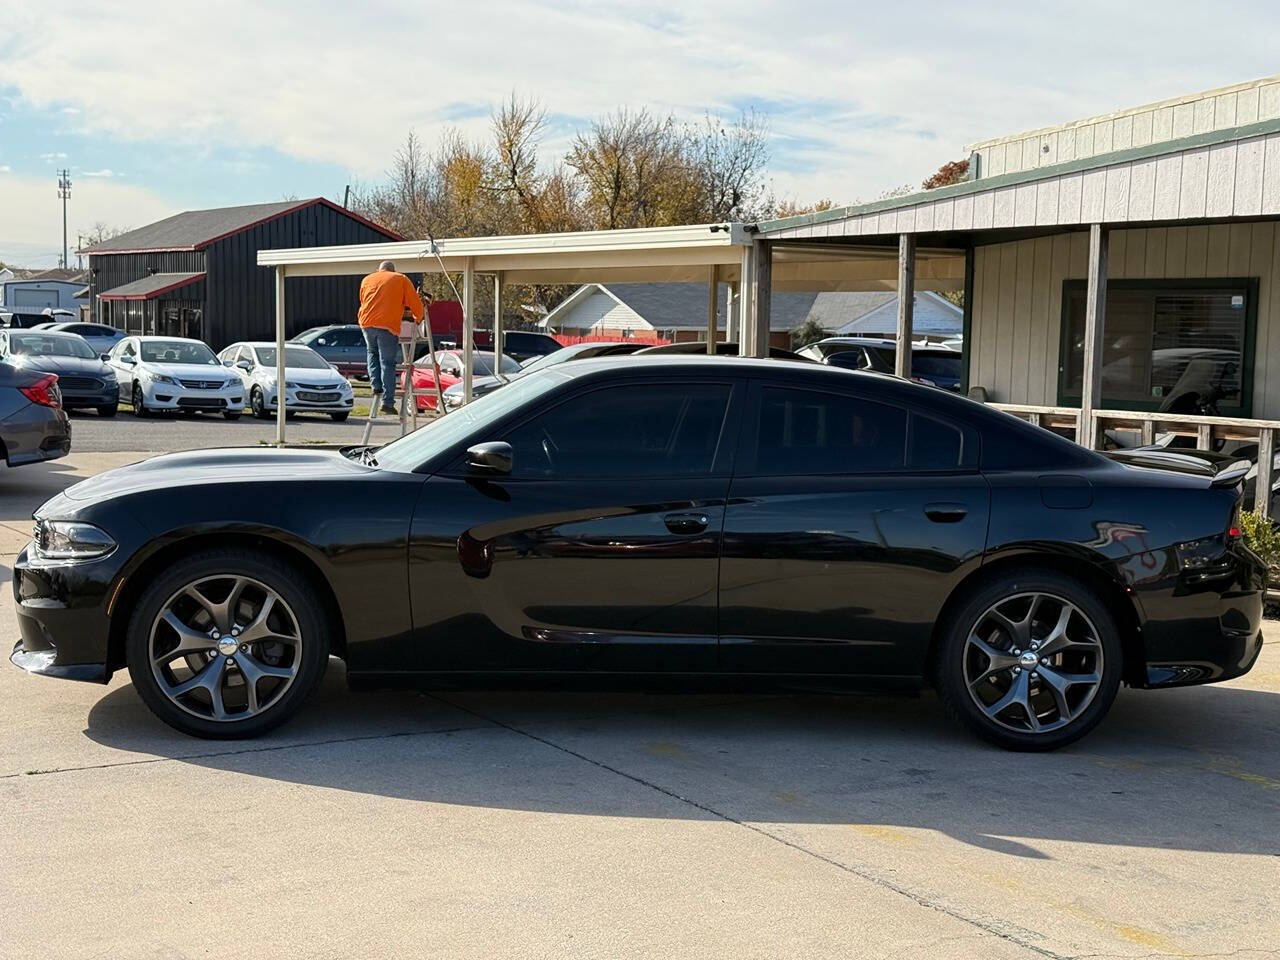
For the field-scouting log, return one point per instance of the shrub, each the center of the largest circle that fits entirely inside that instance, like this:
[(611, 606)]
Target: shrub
[(1262, 536)]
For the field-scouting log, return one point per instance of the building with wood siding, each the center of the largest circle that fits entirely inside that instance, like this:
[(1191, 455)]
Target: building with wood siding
[(195, 274)]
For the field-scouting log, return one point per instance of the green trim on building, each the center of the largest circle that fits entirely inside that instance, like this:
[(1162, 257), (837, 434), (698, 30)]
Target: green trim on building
[(968, 187)]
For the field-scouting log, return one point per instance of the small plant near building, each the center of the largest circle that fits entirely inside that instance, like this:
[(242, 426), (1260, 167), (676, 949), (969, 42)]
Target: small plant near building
[(808, 332), (1262, 536)]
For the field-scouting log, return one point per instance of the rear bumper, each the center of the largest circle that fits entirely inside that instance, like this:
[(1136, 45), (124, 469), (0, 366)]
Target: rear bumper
[(1205, 628), (36, 433)]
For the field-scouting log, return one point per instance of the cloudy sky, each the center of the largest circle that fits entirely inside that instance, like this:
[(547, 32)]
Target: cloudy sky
[(157, 107)]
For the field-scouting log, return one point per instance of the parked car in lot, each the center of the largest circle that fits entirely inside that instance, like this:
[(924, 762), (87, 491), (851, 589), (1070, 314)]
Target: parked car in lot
[(524, 345), (341, 345), (698, 348), (311, 384), (931, 364), (651, 521), (33, 425), (84, 378), (30, 317), (450, 361), (578, 351), (98, 335), (174, 374)]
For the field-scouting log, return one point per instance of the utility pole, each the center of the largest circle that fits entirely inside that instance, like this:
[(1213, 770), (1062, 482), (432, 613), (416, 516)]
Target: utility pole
[(64, 194)]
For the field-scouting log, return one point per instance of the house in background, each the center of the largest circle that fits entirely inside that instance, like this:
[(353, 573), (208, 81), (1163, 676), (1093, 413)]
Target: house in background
[(195, 274), (33, 291), (678, 312)]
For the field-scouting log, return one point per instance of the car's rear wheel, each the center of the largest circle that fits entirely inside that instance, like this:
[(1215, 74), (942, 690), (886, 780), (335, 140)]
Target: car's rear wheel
[(227, 644), (1030, 661), (139, 404)]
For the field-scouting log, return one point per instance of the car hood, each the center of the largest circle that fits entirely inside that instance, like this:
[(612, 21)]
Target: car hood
[(84, 366), (214, 466), (483, 384), (309, 375)]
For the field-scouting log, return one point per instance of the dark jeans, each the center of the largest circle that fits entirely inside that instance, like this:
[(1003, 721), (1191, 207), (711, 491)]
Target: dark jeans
[(383, 355)]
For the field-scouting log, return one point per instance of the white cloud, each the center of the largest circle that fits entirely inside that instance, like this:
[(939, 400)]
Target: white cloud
[(5, 168), (31, 228), (105, 173), (863, 97), (50, 157)]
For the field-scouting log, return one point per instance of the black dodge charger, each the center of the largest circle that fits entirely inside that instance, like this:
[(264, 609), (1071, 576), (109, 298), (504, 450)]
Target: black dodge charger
[(654, 521)]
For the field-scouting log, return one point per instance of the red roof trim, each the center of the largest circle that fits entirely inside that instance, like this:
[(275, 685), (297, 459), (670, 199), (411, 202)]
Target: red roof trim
[(151, 295), (389, 234)]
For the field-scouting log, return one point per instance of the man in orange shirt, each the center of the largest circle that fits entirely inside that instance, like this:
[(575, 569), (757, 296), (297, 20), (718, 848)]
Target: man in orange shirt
[(384, 297)]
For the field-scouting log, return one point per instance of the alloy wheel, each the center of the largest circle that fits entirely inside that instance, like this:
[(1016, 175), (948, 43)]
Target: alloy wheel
[(225, 647), (1033, 662)]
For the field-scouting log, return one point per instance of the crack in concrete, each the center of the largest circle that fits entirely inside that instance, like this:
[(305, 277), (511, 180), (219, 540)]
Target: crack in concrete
[(232, 753), (923, 900)]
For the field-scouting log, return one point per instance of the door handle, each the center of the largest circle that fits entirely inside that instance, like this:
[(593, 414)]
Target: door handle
[(946, 512), (686, 522)]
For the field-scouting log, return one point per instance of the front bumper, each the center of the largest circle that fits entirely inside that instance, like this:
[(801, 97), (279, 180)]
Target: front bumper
[(335, 401), (67, 602), (167, 396), (101, 398)]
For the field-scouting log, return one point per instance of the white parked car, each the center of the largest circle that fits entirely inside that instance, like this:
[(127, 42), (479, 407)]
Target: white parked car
[(173, 373), (310, 381)]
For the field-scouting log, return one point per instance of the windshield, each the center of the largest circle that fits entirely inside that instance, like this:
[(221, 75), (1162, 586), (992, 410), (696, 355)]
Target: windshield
[(176, 351), (426, 442), (293, 357), (936, 364), (33, 345)]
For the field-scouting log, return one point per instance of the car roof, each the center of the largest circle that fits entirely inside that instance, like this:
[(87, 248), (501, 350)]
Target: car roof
[(28, 332), (152, 337)]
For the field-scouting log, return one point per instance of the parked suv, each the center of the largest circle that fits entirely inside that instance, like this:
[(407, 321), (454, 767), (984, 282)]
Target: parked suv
[(932, 365)]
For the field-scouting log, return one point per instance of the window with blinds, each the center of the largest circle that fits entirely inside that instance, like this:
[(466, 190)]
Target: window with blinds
[(1171, 345)]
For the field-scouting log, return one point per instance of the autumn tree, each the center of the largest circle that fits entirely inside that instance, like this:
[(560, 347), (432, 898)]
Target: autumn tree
[(954, 172)]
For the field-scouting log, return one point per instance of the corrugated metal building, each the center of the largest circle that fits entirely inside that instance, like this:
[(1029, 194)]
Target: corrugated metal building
[(195, 274)]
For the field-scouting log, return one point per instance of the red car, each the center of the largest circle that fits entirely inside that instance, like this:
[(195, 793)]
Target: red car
[(450, 361)]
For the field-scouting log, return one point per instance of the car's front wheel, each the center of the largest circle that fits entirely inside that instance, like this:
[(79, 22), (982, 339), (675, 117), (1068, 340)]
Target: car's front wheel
[(1030, 661), (108, 409), (258, 404), (227, 643), (231, 415), (339, 417), (139, 403)]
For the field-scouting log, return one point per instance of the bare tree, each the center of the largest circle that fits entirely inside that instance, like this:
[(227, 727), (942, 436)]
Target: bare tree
[(517, 126), (730, 159)]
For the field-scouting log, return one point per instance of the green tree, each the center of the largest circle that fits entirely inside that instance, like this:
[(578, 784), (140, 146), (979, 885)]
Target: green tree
[(808, 332)]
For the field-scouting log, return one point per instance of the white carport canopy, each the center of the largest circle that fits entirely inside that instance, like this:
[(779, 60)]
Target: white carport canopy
[(704, 253)]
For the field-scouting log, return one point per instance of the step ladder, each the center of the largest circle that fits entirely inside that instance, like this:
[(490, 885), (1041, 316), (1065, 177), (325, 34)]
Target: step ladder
[(408, 410)]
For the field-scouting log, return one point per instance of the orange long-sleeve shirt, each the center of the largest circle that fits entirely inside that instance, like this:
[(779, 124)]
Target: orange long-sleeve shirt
[(384, 295)]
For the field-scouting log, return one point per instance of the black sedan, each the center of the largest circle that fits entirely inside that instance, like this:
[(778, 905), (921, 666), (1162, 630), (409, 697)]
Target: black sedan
[(642, 521), (84, 378)]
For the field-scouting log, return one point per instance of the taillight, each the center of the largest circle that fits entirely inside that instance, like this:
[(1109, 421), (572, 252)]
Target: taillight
[(44, 391)]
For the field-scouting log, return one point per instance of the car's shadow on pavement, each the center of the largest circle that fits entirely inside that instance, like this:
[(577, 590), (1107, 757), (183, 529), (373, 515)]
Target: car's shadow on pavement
[(1192, 769)]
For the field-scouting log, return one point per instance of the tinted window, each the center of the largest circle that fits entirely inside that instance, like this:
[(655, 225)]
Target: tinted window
[(935, 364), (348, 338), (643, 430), (807, 432), (1012, 444)]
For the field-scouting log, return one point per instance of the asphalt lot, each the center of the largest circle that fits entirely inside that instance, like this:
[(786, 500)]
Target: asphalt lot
[(551, 824)]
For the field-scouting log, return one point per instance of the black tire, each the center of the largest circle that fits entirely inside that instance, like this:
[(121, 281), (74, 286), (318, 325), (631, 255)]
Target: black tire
[(108, 410), (232, 415), (339, 417), (297, 592), (139, 405), (950, 663), (258, 404)]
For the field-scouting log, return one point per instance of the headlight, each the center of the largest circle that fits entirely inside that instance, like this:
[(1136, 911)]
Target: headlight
[(161, 378), (70, 540)]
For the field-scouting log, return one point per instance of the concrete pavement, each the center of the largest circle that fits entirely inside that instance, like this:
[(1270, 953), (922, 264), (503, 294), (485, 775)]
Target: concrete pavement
[(551, 824)]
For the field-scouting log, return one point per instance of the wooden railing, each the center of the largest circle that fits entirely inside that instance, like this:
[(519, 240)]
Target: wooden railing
[(1147, 424)]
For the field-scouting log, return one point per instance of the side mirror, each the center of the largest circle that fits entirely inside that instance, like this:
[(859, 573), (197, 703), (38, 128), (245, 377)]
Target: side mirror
[(492, 457), (104, 356), (244, 364)]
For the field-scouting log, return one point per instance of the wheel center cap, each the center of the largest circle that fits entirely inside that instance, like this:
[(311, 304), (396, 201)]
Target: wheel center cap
[(227, 646), (1028, 659)]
